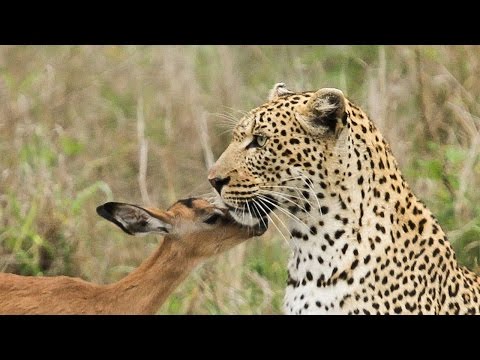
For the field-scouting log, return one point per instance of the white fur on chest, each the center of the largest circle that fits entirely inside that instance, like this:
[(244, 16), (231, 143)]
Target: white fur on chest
[(326, 297), (316, 259)]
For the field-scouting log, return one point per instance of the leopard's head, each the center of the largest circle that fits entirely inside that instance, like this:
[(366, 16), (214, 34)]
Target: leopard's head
[(276, 151)]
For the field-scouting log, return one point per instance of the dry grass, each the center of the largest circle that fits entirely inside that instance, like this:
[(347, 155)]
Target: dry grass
[(85, 124)]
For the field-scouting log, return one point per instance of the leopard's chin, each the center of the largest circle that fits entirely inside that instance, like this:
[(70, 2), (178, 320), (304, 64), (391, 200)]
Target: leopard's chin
[(260, 225), (252, 212), (244, 217)]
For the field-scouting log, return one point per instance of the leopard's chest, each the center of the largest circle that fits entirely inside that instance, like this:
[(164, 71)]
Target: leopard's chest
[(309, 299)]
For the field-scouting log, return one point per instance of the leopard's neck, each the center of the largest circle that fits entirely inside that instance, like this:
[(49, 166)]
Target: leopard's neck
[(359, 209)]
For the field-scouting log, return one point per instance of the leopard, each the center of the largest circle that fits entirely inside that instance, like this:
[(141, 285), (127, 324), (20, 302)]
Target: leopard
[(361, 241)]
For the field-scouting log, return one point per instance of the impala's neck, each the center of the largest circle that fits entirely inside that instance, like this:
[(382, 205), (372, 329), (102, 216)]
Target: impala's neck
[(147, 287)]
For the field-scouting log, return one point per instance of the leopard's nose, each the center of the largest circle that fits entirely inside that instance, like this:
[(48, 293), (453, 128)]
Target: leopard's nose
[(218, 183)]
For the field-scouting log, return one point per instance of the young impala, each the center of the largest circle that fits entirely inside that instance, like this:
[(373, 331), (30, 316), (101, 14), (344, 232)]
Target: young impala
[(194, 231)]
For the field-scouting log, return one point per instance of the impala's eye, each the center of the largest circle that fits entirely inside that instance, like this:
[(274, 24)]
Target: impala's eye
[(258, 141)]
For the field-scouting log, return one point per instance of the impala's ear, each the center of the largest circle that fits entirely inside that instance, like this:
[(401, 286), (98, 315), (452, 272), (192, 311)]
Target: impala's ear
[(325, 111), (135, 220), (278, 90)]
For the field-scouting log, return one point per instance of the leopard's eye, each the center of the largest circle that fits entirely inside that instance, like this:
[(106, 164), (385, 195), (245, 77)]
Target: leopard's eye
[(258, 141)]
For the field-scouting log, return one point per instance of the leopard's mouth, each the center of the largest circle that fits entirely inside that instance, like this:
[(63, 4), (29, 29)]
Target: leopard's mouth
[(227, 216), (252, 212)]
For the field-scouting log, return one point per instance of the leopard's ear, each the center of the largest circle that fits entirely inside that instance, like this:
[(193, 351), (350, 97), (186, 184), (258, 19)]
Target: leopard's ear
[(325, 112), (278, 90)]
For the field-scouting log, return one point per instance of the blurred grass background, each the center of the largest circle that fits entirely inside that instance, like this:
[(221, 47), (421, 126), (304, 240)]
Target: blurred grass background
[(73, 121)]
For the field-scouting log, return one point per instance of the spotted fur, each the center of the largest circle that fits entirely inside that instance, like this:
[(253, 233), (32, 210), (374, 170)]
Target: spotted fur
[(362, 243)]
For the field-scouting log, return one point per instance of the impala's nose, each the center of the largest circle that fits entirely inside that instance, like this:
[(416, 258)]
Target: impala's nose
[(218, 183)]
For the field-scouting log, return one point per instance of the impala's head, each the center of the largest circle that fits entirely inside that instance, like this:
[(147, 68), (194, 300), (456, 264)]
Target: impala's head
[(194, 222), (277, 147)]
